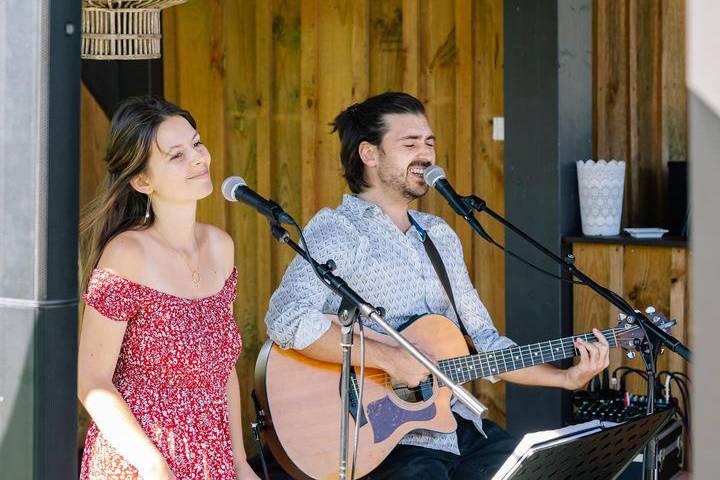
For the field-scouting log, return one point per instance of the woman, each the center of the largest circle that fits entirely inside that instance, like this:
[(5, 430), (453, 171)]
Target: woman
[(158, 343)]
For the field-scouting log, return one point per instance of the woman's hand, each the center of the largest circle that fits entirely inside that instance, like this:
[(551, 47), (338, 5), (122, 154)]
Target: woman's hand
[(244, 472), (157, 470)]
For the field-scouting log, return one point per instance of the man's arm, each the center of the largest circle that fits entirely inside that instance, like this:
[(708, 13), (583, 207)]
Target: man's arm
[(392, 359), (295, 317), (473, 314), (594, 358)]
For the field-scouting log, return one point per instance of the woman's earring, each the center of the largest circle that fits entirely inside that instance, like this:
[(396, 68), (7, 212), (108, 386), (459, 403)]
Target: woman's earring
[(147, 210)]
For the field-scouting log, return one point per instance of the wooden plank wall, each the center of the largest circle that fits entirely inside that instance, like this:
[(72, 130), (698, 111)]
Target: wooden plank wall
[(640, 116), (645, 276), (265, 79), (94, 128), (640, 99)]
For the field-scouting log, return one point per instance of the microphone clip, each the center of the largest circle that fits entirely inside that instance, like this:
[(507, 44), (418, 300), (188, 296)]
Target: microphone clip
[(278, 214), (474, 202), (280, 234)]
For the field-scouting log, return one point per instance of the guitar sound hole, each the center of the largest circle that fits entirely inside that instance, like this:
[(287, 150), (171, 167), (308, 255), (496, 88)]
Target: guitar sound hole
[(414, 394)]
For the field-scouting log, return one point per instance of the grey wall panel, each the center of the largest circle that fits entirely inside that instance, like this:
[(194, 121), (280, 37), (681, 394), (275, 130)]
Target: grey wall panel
[(17, 367), (39, 139), (23, 88), (55, 397), (704, 144), (548, 126), (61, 195)]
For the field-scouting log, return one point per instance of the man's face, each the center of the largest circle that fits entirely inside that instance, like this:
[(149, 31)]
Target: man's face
[(406, 150)]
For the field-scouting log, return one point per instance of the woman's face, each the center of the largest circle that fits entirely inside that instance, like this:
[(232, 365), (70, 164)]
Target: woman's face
[(179, 164)]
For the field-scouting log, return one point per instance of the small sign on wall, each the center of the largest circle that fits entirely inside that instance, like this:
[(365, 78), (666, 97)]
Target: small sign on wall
[(498, 129)]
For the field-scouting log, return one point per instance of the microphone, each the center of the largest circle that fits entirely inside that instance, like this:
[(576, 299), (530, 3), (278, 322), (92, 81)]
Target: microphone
[(435, 177), (235, 189)]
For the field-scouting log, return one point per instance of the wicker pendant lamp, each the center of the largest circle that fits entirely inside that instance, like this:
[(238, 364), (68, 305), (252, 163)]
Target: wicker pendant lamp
[(122, 29)]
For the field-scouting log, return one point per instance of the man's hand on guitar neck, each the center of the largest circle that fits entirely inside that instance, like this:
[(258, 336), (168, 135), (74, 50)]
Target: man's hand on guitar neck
[(594, 358)]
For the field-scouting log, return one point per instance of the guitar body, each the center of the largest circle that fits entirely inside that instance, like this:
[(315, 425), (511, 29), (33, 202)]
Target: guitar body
[(301, 396), (302, 404)]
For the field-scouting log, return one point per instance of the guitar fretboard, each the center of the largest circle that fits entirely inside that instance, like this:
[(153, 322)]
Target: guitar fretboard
[(471, 367)]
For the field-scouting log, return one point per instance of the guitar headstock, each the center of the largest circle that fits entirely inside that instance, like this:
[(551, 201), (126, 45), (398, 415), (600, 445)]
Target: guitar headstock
[(630, 336)]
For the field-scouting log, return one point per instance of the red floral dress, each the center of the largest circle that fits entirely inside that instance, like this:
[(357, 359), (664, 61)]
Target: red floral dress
[(172, 371)]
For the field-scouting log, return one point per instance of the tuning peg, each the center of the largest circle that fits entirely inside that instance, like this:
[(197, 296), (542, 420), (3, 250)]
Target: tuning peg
[(650, 310), (621, 316), (630, 355)]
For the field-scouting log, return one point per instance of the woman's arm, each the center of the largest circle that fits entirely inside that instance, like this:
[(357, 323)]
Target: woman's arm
[(224, 245), (236, 436), (100, 343)]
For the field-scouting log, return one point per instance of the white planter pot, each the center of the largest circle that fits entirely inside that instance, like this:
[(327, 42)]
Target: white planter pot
[(600, 186)]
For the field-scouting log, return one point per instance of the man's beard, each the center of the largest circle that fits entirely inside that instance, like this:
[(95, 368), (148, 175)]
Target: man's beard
[(400, 182)]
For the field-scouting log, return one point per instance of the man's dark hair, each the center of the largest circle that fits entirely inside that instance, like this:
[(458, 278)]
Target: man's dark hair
[(365, 122)]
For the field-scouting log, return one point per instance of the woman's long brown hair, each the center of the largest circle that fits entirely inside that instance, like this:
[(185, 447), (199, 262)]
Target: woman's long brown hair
[(118, 207)]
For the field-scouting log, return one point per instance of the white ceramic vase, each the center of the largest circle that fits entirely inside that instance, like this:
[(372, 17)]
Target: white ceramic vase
[(600, 186)]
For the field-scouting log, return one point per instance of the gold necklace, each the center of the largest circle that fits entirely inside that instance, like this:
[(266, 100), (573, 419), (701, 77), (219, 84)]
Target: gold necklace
[(194, 272)]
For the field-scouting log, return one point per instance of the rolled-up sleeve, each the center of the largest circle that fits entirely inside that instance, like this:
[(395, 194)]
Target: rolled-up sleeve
[(296, 314)]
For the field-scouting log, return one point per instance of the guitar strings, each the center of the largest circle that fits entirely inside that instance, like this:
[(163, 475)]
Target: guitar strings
[(506, 355), (542, 348)]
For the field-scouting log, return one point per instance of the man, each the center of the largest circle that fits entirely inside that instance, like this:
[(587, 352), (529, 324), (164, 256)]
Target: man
[(377, 244)]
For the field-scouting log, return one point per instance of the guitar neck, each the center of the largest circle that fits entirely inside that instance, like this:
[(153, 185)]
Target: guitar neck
[(471, 367)]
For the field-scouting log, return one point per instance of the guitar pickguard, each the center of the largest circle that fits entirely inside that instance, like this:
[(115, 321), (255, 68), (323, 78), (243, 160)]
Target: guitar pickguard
[(385, 417)]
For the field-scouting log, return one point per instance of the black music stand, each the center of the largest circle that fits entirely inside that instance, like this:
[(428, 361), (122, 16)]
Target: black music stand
[(594, 450)]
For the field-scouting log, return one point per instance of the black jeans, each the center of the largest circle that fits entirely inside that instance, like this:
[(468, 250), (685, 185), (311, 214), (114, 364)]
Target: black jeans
[(479, 457)]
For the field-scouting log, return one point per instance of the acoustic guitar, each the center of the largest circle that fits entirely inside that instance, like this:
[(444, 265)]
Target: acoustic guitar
[(300, 396)]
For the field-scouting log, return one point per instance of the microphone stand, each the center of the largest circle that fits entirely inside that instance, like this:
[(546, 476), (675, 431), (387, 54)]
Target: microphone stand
[(338, 285), (655, 337)]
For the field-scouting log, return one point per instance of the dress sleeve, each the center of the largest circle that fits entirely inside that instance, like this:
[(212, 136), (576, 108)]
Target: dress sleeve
[(113, 296), (231, 287)]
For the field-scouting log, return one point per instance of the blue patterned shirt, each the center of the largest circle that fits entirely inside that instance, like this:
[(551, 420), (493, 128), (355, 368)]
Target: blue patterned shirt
[(388, 268)]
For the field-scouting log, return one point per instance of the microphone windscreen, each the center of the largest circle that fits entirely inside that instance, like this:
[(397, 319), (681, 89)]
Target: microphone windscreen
[(229, 185), (432, 174)]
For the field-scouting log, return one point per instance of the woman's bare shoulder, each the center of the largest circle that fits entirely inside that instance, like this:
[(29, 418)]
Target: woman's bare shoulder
[(124, 254)]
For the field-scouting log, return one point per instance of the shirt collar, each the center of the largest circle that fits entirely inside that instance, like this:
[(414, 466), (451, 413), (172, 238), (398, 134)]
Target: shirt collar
[(357, 207)]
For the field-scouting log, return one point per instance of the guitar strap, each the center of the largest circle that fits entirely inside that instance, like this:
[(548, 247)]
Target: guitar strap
[(439, 266)]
